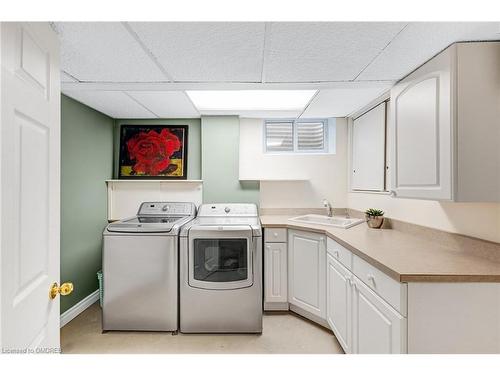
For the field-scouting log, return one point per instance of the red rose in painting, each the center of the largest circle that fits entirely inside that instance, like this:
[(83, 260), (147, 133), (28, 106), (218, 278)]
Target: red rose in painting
[(152, 151)]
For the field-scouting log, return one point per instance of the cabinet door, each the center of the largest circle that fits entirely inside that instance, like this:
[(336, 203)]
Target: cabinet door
[(377, 327), (422, 131), (275, 273), (306, 272), (368, 150), (338, 301)]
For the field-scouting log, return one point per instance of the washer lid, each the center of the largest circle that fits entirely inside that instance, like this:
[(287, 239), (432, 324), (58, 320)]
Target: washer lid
[(166, 209), (158, 224)]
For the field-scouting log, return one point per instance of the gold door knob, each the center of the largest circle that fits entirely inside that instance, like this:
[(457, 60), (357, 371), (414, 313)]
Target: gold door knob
[(65, 289)]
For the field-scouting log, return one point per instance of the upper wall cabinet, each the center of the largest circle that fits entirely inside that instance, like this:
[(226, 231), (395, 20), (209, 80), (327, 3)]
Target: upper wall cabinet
[(445, 127), (368, 150)]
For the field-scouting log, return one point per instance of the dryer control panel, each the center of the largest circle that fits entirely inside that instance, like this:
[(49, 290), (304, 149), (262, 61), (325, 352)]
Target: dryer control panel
[(166, 209), (228, 210)]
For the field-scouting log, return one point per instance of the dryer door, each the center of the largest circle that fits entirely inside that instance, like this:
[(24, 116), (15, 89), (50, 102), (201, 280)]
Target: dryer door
[(221, 257)]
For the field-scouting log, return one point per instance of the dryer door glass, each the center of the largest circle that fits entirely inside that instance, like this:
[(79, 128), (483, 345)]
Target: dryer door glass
[(221, 260)]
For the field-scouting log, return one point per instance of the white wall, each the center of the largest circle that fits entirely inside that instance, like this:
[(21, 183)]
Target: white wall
[(305, 179), (125, 196), (481, 220)]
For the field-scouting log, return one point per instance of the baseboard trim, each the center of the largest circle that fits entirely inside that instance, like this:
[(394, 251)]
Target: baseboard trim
[(275, 306), (77, 309)]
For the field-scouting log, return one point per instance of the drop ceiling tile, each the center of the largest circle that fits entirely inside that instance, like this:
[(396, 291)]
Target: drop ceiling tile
[(172, 104), (104, 52), (420, 41), (116, 104), (342, 102), (206, 51), (324, 51)]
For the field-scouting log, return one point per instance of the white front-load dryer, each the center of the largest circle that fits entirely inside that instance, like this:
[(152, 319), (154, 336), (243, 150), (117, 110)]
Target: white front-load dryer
[(221, 270)]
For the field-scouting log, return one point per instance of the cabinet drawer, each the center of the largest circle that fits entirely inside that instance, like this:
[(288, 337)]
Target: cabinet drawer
[(339, 253), (275, 234), (392, 291)]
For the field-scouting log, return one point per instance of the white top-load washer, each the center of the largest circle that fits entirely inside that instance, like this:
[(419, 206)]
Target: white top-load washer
[(221, 270), (140, 268)]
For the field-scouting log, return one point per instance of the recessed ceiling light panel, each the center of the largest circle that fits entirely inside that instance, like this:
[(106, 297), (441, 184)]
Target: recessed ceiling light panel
[(250, 100)]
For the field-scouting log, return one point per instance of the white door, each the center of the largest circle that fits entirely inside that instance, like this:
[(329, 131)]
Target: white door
[(377, 327), (275, 273), (306, 272), (338, 301), (30, 183), (422, 131)]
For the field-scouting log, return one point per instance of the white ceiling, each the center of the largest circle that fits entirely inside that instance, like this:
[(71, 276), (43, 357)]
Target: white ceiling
[(117, 104), (342, 101), (104, 52), (305, 52), (418, 42), (166, 104), (140, 70), (210, 52)]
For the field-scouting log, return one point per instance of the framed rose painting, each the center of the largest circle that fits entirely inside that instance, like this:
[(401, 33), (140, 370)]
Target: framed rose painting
[(153, 152)]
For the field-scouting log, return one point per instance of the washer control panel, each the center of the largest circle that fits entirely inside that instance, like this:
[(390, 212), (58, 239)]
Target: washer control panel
[(166, 209), (228, 210)]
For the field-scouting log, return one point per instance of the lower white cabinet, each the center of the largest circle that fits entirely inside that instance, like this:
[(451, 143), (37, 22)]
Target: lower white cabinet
[(368, 311), (303, 276), (376, 327), (306, 272), (360, 319), (454, 318), (275, 276), (338, 304)]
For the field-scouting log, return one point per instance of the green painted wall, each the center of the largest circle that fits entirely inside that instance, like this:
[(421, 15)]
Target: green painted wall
[(194, 141), (86, 162), (220, 162)]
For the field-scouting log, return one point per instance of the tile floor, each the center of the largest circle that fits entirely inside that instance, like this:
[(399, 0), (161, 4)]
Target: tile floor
[(283, 333)]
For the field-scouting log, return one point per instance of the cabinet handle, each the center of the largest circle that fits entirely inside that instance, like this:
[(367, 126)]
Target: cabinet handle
[(371, 278), (275, 234), (268, 247), (336, 253), (392, 193)]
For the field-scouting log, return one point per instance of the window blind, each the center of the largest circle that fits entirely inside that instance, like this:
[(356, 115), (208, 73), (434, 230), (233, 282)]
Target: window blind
[(310, 136), (279, 136)]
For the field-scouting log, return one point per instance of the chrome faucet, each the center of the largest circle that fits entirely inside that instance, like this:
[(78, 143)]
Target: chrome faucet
[(328, 207)]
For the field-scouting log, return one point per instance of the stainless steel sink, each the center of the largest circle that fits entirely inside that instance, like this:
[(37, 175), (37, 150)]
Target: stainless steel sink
[(334, 221)]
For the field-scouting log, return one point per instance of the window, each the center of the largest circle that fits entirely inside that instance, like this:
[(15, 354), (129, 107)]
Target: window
[(279, 136), (310, 136), (300, 136)]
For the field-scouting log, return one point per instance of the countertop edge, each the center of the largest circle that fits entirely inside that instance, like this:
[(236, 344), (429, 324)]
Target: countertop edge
[(402, 278)]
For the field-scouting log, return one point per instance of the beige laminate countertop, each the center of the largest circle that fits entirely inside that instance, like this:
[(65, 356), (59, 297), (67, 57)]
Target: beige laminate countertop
[(404, 256)]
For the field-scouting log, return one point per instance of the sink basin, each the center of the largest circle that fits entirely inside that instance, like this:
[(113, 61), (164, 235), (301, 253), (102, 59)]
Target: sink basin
[(334, 221)]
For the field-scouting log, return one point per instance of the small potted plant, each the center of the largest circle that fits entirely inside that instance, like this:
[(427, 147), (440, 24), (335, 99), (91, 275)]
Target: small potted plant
[(374, 217)]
